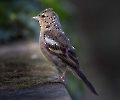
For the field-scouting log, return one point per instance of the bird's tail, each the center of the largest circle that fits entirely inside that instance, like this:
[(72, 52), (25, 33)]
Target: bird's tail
[(82, 76)]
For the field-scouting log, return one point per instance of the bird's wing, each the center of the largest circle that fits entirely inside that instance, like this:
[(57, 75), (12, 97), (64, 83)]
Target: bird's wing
[(59, 45)]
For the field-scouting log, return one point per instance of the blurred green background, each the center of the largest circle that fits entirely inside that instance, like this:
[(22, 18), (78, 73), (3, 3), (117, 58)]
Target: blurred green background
[(93, 27)]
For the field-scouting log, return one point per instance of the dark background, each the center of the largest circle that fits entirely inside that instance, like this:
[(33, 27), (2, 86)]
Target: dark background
[(93, 27)]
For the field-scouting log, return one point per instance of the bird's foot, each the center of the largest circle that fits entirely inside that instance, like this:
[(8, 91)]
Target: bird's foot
[(61, 79), (58, 79)]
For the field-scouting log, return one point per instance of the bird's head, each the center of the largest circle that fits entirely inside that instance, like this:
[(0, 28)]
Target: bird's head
[(47, 17)]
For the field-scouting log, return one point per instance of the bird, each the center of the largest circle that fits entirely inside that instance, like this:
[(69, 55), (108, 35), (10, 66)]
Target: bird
[(57, 48)]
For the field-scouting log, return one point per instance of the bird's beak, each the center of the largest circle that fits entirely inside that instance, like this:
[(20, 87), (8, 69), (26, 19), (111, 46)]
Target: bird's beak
[(35, 18)]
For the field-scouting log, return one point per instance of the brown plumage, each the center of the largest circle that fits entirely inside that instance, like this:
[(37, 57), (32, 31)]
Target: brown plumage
[(56, 47)]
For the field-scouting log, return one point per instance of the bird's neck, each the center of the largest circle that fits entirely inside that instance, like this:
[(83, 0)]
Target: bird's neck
[(48, 27)]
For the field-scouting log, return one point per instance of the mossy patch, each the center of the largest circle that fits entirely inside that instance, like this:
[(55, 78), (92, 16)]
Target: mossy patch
[(20, 70)]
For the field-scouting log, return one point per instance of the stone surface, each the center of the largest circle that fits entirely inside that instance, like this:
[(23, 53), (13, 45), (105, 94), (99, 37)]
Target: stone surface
[(55, 91), (25, 75)]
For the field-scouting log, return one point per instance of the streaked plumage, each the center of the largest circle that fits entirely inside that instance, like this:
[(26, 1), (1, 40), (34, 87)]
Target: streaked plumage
[(56, 47)]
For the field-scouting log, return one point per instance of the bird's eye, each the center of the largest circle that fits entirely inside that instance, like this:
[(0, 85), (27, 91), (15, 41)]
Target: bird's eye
[(43, 16)]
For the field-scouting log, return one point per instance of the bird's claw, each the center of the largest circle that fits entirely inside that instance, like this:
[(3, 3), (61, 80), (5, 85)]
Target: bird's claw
[(58, 79)]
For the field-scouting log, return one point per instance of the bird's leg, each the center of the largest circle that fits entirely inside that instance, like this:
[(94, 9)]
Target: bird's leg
[(63, 75), (61, 78)]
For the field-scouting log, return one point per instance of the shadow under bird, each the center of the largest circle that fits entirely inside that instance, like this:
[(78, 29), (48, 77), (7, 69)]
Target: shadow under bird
[(56, 47)]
